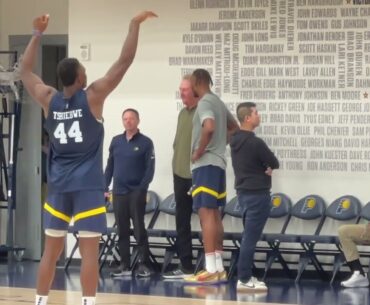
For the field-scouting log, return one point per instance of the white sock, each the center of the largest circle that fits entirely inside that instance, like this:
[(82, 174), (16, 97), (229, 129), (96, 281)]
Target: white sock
[(211, 262), (88, 300), (219, 261), (41, 299)]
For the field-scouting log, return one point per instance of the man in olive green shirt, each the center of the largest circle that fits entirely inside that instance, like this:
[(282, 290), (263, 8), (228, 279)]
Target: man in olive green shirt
[(183, 181)]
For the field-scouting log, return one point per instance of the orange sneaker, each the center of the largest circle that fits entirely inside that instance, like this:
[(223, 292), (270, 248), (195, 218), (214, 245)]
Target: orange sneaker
[(203, 277), (222, 276)]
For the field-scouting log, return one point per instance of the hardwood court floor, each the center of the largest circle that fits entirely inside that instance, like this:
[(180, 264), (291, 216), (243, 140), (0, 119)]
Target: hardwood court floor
[(22, 296), (17, 284)]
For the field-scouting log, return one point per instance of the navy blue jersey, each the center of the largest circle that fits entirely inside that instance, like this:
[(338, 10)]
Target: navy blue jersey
[(75, 160)]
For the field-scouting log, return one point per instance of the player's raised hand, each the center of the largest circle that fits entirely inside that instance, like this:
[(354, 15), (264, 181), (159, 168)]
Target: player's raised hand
[(144, 15), (41, 23)]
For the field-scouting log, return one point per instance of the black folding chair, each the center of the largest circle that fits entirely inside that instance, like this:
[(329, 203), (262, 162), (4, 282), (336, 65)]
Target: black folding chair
[(308, 212)]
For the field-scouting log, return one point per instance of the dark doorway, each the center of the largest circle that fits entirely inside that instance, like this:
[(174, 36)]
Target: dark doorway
[(51, 55)]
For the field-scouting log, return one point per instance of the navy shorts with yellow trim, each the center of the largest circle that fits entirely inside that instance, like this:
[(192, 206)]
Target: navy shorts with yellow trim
[(209, 187), (86, 208)]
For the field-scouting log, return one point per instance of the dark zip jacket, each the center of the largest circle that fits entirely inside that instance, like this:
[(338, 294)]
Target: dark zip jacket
[(250, 158)]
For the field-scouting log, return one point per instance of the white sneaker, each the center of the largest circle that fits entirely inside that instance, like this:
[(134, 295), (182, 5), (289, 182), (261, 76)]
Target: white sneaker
[(356, 280), (252, 285)]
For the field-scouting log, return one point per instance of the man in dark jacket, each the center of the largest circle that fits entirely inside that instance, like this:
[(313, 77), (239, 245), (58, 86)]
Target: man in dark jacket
[(253, 163), (131, 164)]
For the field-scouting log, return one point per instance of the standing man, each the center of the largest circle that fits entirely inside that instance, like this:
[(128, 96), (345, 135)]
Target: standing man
[(211, 124), (131, 164), (75, 167), (182, 181), (253, 163)]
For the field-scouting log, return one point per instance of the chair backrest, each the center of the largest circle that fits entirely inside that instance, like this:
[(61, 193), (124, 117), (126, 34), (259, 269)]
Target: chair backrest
[(280, 205), (343, 210), (151, 208), (232, 217), (165, 215), (346, 207), (365, 212), (152, 202), (279, 216), (307, 215), (232, 208), (309, 207), (168, 205), (111, 221)]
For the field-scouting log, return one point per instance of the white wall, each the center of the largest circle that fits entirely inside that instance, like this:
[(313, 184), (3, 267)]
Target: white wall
[(17, 15), (151, 82)]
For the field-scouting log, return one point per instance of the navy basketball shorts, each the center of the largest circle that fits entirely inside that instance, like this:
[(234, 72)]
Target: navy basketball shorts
[(209, 187), (86, 209)]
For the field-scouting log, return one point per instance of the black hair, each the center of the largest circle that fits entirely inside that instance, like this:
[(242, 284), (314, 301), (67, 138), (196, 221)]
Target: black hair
[(202, 76), (67, 71)]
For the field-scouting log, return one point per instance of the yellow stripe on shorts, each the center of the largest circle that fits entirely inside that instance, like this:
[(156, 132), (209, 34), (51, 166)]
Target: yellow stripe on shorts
[(56, 213), (209, 191), (89, 213)]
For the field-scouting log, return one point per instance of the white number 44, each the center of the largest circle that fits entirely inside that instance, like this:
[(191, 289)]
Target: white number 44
[(73, 132)]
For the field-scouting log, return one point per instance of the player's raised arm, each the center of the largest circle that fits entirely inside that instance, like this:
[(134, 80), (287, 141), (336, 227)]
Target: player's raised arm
[(99, 89), (32, 82)]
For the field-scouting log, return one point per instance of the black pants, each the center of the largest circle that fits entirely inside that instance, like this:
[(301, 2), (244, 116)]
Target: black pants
[(131, 205), (184, 209)]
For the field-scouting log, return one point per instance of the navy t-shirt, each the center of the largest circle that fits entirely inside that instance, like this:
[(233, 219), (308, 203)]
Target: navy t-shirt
[(75, 160)]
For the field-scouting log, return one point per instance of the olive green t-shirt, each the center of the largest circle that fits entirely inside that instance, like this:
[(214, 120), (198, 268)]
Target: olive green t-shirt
[(182, 143)]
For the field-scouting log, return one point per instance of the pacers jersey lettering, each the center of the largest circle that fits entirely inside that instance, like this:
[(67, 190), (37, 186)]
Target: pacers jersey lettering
[(67, 115)]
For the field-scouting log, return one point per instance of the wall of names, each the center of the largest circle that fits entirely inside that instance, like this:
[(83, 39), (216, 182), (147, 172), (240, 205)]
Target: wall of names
[(306, 63)]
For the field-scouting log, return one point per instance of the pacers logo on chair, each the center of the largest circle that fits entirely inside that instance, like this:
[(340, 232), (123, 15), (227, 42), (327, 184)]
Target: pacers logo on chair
[(173, 204), (309, 204), (343, 206), (237, 206), (276, 202)]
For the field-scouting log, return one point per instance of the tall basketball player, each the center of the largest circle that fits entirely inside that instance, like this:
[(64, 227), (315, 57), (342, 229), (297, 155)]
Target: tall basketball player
[(75, 167)]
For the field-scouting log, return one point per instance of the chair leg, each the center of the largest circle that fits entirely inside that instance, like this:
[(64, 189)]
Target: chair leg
[(233, 263), (270, 259), (285, 266), (134, 257), (103, 248), (200, 261), (105, 252), (168, 256), (70, 257), (338, 262), (319, 268), (154, 261), (302, 264)]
